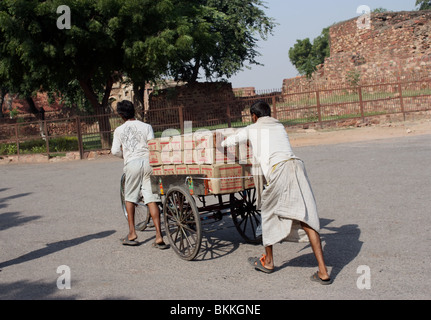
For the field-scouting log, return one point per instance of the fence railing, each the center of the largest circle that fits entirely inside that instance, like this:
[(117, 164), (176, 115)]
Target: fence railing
[(319, 107)]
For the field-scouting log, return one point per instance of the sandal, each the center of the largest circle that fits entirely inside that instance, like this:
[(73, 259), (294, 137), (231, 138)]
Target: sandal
[(161, 245), (315, 277), (126, 242), (259, 264)]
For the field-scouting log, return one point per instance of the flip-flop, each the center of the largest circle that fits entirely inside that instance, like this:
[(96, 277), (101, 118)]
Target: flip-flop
[(161, 245), (315, 277), (258, 264), (126, 242)]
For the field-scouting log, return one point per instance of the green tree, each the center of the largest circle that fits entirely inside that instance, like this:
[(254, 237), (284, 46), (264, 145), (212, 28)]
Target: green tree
[(306, 56), (218, 37), (142, 40), (107, 38), (15, 76), (379, 10), (300, 56), (423, 4)]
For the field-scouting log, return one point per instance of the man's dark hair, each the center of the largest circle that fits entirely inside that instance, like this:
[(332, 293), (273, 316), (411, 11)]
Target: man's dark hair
[(261, 109), (126, 109)]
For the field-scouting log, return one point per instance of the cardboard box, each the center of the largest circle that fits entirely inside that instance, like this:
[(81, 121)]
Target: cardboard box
[(208, 148), (200, 147), (229, 155), (165, 144), (182, 169), (158, 171), (194, 169), (204, 139), (203, 155), (187, 146), (153, 145), (182, 142), (245, 153), (155, 158), (248, 176), (169, 170), (226, 155), (177, 143), (159, 144), (171, 157), (188, 141), (188, 157), (216, 155), (224, 178)]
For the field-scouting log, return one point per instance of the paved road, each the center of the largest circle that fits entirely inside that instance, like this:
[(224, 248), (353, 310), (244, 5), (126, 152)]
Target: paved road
[(374, 202)]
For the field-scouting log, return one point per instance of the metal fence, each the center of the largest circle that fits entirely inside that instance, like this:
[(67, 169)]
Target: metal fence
[(335, 104), (319, 107)]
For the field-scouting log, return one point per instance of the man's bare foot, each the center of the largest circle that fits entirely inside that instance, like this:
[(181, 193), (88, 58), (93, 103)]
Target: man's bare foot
[(323, 276), (269, 263), (132, 236)]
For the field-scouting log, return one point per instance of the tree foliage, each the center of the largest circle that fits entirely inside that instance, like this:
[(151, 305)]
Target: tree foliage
[(306, 56), (108, 39), (219, 37), (143, 40), (423, 4), (379, 10)]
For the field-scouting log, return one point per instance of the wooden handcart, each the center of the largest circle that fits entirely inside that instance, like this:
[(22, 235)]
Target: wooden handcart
[(185, 206)]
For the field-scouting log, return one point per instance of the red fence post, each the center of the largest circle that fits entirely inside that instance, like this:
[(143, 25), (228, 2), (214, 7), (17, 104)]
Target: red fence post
[(361, 103), (274, 106), (17, 139), (319, 110), (45, 131), (400, 91)]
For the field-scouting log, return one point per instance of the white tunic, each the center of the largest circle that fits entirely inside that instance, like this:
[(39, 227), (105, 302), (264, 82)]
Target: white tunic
[(288, 197), (131, 140), (269, 140)]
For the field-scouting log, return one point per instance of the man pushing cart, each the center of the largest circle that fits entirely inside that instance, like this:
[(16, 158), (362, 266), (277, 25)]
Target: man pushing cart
[(188, 168)]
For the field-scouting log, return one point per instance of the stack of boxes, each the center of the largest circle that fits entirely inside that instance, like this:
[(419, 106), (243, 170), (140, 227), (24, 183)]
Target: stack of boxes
[(228, 170)]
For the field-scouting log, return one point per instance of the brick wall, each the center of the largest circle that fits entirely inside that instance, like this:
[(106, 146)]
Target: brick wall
[(40, 100), (202, 103), (397, 44), (244, 92)]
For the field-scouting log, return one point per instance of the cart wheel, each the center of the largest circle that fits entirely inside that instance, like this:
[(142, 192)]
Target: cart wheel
[(142, 215), (182, 223), (245, 216)]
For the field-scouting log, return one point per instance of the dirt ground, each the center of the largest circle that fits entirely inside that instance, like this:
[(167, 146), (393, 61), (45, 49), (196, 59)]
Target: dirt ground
[(311, 137)]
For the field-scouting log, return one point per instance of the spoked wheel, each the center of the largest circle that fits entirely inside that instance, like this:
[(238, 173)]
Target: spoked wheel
[(182, 223), (142, 215), (245, 216)]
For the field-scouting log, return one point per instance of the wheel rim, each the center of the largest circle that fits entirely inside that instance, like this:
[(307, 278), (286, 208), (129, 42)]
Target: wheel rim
[(142, 216), (182, 223), (245, 215)]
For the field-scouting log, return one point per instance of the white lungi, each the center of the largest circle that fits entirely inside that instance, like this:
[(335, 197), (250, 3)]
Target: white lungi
[(287, 200)]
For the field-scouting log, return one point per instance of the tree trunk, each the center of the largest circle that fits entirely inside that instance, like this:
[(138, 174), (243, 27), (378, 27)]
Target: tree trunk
[(139, 101), (196, 69), (3, 93), (39, 114), (101, 109)]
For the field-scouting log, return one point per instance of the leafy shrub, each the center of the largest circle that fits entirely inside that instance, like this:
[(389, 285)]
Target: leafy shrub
[(61, 144)]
